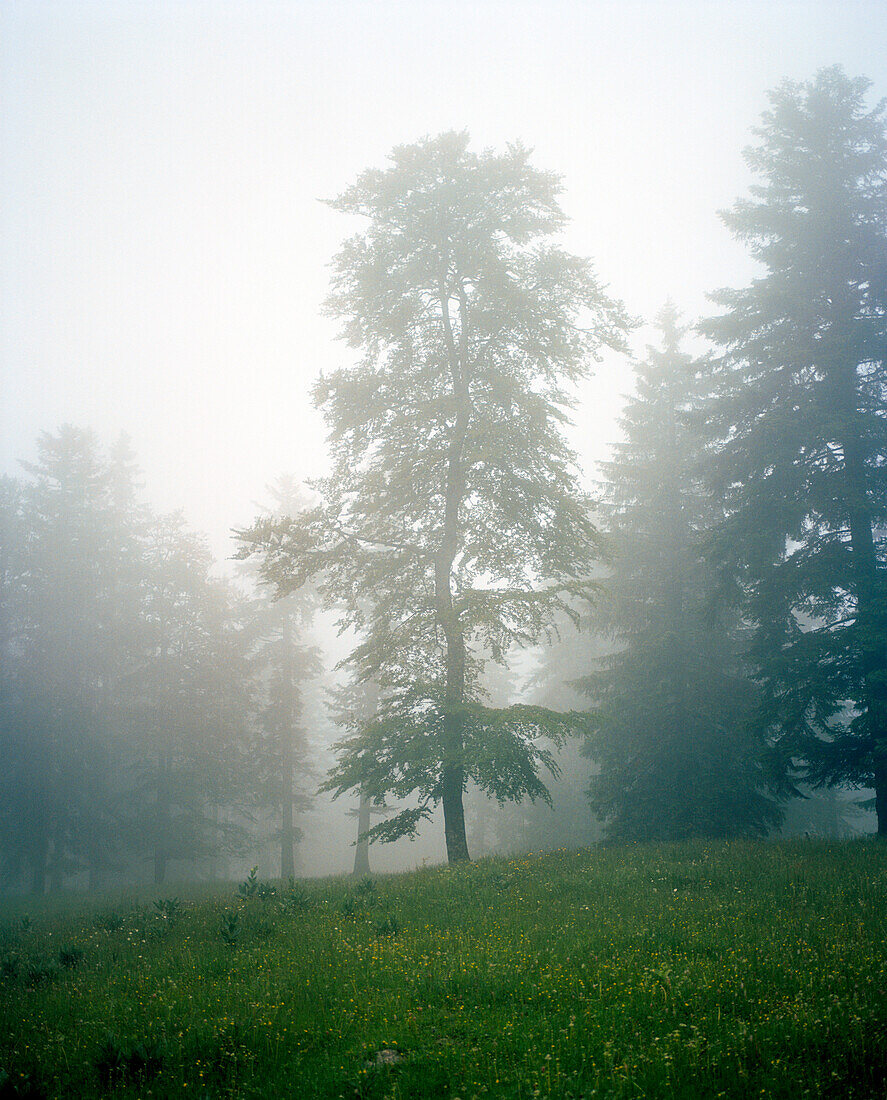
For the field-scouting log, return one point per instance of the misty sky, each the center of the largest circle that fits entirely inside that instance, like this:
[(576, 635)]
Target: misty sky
[(164, 251)]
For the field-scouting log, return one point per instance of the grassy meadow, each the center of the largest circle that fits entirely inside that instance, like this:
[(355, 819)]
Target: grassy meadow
[(693, 970)]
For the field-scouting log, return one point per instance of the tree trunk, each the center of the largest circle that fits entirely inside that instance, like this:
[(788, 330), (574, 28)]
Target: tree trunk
[(161, 855), (56, 874), (454, 814), (97, 875), (287, 839), (362, 852), (881, 798), (159, 867), (453, 777)]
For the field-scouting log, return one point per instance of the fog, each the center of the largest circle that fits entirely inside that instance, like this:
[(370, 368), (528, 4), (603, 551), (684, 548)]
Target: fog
[(166, 258), (165, 250)]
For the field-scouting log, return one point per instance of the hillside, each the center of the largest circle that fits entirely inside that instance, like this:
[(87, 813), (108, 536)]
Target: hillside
[(695, 970)]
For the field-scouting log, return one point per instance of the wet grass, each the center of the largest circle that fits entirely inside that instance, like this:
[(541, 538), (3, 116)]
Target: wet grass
[(686, 971)]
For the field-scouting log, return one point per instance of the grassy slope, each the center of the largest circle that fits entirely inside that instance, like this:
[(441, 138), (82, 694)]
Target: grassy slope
[(696, 970)]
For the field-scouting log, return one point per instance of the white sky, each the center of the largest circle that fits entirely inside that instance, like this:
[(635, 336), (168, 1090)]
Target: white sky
[(163, 250)]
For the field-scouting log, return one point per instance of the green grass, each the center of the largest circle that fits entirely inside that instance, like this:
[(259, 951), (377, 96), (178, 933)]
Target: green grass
[(694, 970)]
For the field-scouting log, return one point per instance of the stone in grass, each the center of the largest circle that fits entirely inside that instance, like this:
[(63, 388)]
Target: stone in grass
[(385, 1057)]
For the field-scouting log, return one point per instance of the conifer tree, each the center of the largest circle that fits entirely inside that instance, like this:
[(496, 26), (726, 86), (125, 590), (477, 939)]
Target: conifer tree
[(285, 662), (798, 412), (670, 704), (69, 601)]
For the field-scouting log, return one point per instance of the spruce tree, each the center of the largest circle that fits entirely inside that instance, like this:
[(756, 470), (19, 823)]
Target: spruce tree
[(798, 413), (670, 704), (285, 663)]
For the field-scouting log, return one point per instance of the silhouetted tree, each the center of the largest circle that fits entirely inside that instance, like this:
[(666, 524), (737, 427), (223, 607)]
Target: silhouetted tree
[(71, 548), (453, 489), (190, 705), (286, 663), (798, 410), (126, 692), (670, 704)]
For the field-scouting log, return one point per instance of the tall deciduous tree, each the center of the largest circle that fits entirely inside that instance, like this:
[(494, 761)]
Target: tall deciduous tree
[(453, 489), (671, 705), (799, 409)]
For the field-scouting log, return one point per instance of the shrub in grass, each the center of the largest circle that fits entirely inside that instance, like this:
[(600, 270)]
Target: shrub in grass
[(367, 886), (387, 927), (70, 957), (348, 906), (296, 899), (109, 921), (263, 927), (41, 971), (249, 888), (20, 1086), (118, 1065), (223, 1058), (231, 928), (110, 1061), (168, 909)]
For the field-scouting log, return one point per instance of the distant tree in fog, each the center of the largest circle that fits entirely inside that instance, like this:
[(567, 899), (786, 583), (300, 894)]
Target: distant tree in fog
[(71, 546), (354, 707), (798, 412), (453, 489), (188, 707), (124, 687), (670, 705), (286, 663)]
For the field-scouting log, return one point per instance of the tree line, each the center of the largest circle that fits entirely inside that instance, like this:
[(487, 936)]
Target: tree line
[(736, 561), (149, 710), (728, 578)]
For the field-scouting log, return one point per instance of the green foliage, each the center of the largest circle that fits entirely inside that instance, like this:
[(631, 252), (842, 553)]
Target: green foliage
[(387, 926), (109, 921), (366, 886), (118, 1065), (38, 971), (224, 1058), (168, 909), (295, 898), (231, 928), (249, 888), (70, 957), (20, 1086), (400, 751)]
